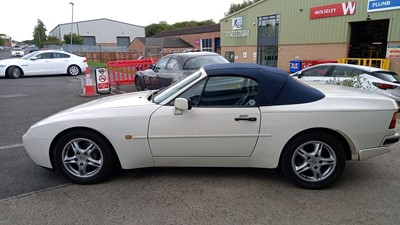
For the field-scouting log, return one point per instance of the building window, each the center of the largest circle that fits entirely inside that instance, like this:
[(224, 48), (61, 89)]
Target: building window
[(206, 45)]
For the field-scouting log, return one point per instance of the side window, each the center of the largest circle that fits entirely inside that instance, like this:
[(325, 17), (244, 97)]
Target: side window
[(47, 55), (229, 91), (318, 71), (342, 72), (60, 55), (162, 63), (171, 64)]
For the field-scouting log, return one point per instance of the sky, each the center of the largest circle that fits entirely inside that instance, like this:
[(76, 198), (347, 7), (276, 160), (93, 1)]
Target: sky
[(20, 18)]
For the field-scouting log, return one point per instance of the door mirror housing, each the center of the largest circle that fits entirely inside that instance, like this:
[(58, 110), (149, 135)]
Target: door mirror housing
[(34, 58), (181, 104)]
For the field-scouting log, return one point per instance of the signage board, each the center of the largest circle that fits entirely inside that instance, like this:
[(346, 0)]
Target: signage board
[(102, 81), (382, 5), (339, 9)]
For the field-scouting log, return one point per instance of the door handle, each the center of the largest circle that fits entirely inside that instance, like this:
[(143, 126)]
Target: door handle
[(251, 119)]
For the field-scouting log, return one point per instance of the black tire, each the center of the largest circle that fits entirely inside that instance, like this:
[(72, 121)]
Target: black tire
[(84, 157), (15, 72), (139, 84), (74, 70), (313, 160)]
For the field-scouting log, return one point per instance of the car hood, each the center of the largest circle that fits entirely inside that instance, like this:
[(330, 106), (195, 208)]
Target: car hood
[(116, 101), (12, 61), (101, 107)]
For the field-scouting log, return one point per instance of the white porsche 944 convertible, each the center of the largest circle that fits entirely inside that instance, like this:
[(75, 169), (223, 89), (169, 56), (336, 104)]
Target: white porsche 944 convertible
[(224, 115)]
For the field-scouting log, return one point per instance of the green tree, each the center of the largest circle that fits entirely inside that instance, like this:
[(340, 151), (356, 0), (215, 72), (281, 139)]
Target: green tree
[(52, 40), (156, 28), (1, 41), (39, 34), (236, 7), (76, 39)]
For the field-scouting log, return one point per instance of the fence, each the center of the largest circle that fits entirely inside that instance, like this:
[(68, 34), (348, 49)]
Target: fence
[(371, 62), (123, 71)]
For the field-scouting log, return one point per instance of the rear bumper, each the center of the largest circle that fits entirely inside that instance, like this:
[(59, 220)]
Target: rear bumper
[(364, 154)]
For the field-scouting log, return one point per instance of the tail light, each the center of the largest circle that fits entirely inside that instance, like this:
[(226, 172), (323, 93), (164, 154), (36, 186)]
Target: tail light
[(384, 86), (84, 60), (393, 122)]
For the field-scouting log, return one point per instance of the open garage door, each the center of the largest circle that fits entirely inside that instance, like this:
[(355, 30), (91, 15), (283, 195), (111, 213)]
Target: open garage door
[(368, 39)]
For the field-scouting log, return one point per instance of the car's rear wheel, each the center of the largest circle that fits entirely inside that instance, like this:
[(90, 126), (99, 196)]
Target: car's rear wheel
[(313, 160), (15, 72), (74, 70), (84, 157)]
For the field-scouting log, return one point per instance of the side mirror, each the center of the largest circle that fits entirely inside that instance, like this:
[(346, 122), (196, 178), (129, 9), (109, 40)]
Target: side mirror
[(299, 74), (181, 104), (34, 58), (151, 66)]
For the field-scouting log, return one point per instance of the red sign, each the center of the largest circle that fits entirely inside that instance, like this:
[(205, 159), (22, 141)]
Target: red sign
[(339, 9)]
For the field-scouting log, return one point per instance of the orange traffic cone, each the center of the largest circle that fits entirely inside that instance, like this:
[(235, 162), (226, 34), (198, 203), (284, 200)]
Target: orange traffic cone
[(88, 89)]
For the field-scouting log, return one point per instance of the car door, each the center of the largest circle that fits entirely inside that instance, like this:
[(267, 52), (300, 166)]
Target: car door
[(150, 76), (224, 121), (60, 63), (166, 75), (41, 64)]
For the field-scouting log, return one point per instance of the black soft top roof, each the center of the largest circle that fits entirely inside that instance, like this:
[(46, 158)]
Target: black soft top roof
[(276, 87)]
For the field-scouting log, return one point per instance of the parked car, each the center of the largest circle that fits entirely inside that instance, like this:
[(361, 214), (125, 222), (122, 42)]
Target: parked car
[(32, 49), (17, 52), (224, 115), (1, 47), (373, 79), (174, 67), (48, 62)]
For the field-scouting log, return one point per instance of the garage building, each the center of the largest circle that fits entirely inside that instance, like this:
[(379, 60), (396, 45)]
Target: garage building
[(274, 32), (101, 32)]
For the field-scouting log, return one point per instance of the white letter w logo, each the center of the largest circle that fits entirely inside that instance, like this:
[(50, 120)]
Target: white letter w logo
[(348, 8)]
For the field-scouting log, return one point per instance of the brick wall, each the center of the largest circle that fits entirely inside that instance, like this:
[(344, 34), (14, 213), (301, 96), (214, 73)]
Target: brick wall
[(292, 52), (310, 52)]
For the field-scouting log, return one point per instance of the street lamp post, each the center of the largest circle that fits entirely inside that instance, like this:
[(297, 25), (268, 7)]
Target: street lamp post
[(72, 21)]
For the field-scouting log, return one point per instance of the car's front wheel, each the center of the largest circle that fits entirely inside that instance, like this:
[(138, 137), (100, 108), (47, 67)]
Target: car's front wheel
[(74, 70), (84, 157), (15, 72), (313, 160), (139, 84)]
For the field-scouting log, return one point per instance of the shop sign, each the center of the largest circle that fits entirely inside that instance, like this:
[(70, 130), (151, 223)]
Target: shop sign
[(339, 9), (237, 33), (382, 5), (393, 52), (237, 26), (237, 23)]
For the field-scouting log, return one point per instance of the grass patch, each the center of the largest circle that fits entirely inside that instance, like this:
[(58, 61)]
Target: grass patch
[(96, 64)]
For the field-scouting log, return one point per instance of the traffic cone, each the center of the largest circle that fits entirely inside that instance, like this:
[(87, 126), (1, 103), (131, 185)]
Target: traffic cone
[(88, 89)]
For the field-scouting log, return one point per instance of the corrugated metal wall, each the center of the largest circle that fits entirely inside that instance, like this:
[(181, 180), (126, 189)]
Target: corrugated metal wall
[(296, 27)]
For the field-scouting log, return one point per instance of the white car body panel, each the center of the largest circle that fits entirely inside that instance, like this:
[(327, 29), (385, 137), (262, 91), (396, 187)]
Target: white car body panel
[(34, 67), (203, 132), (367, 83), (278, 125)]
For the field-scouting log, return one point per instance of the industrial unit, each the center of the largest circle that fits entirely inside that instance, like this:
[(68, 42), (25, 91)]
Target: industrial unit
[(101, 32), (274, 32)]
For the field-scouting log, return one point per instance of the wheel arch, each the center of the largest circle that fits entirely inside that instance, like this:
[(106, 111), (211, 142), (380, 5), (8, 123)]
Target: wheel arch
[(58, 136), (342, 138), (12, 66)]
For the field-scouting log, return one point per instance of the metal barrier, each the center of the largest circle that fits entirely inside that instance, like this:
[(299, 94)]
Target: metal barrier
[(123, 71), (371, 62)]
